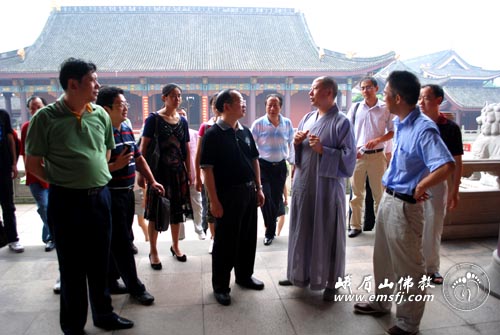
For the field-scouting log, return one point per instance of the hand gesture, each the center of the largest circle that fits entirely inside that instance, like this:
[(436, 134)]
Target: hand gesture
[(315, 144), (300, 136)]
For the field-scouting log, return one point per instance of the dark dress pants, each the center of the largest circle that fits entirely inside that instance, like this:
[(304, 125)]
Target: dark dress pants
[(81, 222), (236, 237), (122, 257), (369, 216), (273, 178), (8, 207), (204, 210), (369, 208)]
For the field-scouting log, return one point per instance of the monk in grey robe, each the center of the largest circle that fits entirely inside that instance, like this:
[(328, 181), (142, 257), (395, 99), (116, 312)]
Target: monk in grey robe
[(325, 155)]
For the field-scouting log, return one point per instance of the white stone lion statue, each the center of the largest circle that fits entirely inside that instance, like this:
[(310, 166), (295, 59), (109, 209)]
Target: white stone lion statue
[(487, 144)]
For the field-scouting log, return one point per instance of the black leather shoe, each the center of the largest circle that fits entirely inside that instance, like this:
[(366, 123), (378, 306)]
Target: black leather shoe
[(49, 246), (366, 308), (268, 241), (285, 282), (354, 232), (115, 287), (251, 283), (145, 298), (329, 294), (223, 298), (134, 248), (114, 323)]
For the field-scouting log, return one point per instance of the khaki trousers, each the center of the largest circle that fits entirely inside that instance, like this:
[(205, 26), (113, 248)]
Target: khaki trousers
[(397, 255), (373, 166)]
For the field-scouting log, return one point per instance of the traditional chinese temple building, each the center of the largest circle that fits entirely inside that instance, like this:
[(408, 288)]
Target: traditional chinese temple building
[(467, 88), (203, 49)]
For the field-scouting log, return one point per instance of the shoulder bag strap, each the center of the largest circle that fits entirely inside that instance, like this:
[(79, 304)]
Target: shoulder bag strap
[(354, 113)]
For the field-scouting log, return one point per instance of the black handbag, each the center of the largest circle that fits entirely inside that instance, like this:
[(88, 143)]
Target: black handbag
[(162, 214)]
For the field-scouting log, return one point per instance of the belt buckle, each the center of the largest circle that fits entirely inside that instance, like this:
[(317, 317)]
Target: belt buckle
[(94, 191)]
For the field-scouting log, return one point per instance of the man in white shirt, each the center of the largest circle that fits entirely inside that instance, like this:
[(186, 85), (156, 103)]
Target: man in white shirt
[(372, 124)]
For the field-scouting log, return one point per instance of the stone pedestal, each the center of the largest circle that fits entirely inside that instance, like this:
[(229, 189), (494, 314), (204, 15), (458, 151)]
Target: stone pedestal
[(477, 212), (493, 272)]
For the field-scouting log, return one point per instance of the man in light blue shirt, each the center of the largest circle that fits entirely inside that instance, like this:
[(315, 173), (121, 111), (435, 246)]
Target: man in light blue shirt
[(420, 160), (273, 134)]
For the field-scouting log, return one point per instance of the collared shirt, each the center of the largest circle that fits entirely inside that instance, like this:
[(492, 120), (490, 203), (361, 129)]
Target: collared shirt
[(418, 150), (370, 122), (451, 135), (73, 148), (230, 152), (273, 142), (30, 178), (124, 177)]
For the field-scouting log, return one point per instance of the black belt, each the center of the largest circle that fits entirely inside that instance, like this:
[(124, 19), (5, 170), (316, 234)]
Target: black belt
[(249, 184), (89, 191), (263, 161), (373, 151), (122, 189), (401, 196)]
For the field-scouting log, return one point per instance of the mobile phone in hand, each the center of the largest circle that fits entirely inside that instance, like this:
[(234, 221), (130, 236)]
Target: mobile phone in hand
[(128, 148)]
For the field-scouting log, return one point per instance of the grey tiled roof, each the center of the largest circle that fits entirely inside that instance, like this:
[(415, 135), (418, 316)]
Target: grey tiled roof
[(181, 39), (448, 64), (472, 97), (460, 90)]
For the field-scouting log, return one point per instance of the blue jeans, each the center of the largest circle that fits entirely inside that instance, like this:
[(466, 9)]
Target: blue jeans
[(41, 196)]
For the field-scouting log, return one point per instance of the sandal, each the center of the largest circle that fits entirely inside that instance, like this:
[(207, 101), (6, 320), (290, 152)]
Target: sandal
[(436, 278)]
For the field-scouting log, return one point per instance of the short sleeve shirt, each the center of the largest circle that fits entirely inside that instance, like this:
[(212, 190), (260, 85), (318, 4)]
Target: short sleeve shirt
[(74, 149), (124, 177), (230, 153), (451, 135)]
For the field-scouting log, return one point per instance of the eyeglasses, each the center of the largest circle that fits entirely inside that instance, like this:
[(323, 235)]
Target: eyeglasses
[(366, 88), (123, 105)]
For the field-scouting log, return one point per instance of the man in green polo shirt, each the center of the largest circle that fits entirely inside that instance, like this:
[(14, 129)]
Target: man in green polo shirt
[(68, 145)]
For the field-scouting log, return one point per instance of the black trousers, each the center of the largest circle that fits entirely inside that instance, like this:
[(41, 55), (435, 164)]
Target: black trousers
[(273, 178), (204, 210), (369, 218), (122, 262), (81, 222), (8, 207), (235, 237)]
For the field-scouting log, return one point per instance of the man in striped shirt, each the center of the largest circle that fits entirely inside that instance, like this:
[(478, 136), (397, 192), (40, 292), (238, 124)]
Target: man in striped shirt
[(273, 134), (125, 159)]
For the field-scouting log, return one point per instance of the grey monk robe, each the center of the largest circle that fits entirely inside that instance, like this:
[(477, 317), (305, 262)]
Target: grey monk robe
[(317, 239)]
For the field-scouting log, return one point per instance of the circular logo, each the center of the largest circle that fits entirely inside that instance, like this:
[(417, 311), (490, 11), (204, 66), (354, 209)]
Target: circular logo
[(466, 286)]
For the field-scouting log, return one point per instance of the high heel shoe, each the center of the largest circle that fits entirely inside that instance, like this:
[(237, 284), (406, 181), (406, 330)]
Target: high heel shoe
[(182, 258), (155, 266)]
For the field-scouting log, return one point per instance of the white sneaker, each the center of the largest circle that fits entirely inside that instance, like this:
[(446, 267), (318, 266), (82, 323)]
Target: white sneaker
[(16, 247), (211, 246), (202, 235), (57, 286)]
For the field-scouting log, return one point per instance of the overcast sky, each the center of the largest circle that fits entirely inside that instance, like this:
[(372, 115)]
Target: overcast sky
[(364, 27)]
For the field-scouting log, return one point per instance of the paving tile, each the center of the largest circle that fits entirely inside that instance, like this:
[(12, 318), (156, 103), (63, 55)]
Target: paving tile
[(249, 317), (184, 298)]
